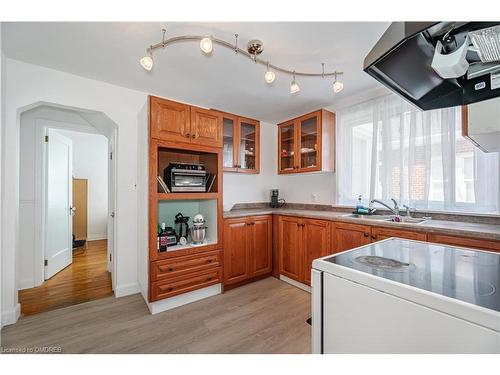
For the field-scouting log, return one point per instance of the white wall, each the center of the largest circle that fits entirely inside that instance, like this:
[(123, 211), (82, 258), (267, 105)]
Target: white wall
[(245, 188), (2, 96), (27, 84), (90, 161)]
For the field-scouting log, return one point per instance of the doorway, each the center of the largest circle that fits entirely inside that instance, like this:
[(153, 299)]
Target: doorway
[(66, 256)]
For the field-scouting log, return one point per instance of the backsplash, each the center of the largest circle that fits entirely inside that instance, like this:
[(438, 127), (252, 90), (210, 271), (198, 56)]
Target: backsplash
[(460, 217)]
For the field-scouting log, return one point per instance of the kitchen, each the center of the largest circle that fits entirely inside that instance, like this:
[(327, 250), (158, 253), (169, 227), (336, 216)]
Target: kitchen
[(238, 224)]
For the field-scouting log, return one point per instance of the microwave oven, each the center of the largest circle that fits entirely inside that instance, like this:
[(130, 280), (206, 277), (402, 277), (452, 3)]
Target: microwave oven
[(185, 177)]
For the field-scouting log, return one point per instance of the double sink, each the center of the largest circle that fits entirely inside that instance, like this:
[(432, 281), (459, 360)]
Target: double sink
[(390, 218)]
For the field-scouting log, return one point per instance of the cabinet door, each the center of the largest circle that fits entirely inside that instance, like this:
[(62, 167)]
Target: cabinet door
[(261, 249), (316, 243), (348, 236), (287, 158), (170, 121), (248, 145), (379, 234), (229, 144), (309, 130), (236, 266), (206, 127), (289, 247)]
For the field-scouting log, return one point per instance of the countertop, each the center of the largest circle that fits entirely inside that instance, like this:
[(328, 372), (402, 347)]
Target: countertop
[(453, 228)]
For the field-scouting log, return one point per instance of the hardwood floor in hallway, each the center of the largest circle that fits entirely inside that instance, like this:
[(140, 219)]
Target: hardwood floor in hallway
[(268, 316), (86, 279)]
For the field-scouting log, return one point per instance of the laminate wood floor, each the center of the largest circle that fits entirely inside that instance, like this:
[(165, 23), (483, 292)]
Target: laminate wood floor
[(86, 279), (268, 316)]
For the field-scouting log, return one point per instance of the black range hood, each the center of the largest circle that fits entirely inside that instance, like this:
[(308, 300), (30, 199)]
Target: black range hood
[(401, 60)]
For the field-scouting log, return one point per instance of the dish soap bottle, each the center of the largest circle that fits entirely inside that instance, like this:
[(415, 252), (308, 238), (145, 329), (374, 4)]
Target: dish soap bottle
[(163, 238), (359, 204)]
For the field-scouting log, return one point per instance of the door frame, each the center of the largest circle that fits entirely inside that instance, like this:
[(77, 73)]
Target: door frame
[(41, 129)]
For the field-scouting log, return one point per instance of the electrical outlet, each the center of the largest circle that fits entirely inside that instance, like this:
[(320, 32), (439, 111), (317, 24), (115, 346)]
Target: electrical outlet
[(314, 197)]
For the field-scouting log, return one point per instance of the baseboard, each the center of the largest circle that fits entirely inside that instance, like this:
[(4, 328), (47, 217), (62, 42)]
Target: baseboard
[(26, 284), (184, 299), (127, 289), (244, 282), (11, 317), (305, 287), (96, 238)]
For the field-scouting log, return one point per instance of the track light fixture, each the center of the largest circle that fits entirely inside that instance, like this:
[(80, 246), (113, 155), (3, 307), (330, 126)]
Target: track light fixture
[(147, 60), (206, 45), (294, 88), (337, 85), (269, 76), (254, 49)]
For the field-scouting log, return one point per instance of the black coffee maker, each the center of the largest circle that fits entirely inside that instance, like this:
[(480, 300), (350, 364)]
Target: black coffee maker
[(181, 226), (276, 202)]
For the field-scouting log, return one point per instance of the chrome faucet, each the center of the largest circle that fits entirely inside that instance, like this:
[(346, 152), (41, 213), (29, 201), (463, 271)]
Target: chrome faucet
[(408, 210), (394, 210)]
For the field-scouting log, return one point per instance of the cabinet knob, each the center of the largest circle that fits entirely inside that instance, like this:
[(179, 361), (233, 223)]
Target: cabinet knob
[(209, 260), (188, 135), (374, 237), (170, 289), (193, 136), (170, 269), (209, 278), (367, 235)]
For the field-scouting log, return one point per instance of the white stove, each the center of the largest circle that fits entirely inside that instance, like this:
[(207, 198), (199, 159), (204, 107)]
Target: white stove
[(403, 296)]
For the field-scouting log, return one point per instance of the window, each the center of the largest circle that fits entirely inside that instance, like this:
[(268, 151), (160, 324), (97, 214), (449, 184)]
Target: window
[(388, 149)]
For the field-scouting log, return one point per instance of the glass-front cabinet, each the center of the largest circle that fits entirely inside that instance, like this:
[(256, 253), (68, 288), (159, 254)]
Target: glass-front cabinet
[(241, 144), (307, 143)]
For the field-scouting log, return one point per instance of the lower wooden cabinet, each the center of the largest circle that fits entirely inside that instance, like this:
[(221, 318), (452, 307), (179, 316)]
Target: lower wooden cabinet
[(348, 236), (379, 234), (300, 242), (247, 248)]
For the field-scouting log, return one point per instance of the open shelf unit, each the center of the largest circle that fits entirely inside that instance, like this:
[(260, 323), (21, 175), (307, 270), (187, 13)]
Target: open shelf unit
[(164, 206)]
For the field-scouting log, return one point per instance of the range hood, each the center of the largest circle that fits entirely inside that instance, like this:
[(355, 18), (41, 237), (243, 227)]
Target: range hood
[(438, 64)]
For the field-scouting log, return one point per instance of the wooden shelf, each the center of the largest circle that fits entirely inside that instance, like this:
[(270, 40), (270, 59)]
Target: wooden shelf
[(186, 196)]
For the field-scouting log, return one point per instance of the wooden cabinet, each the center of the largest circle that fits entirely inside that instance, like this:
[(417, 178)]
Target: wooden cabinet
[(241, 143), (315, 243), (464, 242), (174, 267), (289, 238), (379, 234), (348, 236), (300, 242), (247, 248), (206, 127), (169, 120), (307, 143), (178, 122)]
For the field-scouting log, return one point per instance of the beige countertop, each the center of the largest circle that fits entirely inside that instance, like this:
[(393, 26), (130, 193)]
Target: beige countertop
[(453, 228)]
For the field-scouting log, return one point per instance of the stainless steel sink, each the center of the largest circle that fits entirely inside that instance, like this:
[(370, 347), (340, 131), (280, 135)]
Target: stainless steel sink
[(403, 219)]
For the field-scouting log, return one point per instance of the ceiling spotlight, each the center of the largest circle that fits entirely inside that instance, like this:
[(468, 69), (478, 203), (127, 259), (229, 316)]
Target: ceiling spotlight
[(269, 76), (337, 85), (206, 45), (294, 88), (147, 61)]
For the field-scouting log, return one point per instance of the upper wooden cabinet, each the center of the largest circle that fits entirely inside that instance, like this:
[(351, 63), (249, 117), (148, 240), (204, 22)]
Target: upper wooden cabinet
[(241, 144), (169, 120), (178, 122), (307, 143)]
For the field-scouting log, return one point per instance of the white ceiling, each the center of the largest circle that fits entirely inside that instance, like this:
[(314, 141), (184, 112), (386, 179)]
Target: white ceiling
[(110, 52)]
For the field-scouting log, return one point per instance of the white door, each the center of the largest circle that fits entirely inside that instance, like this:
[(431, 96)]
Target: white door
[(59, 202)]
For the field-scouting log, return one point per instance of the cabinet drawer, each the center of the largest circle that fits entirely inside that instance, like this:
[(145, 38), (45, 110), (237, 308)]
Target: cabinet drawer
[(379, 234), (183, 284), (174, 267)]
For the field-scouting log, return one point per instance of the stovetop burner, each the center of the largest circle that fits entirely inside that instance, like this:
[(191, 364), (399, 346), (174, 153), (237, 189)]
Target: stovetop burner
[(381, 263)]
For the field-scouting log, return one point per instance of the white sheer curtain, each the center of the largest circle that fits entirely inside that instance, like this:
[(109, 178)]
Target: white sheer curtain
[(387, 148)]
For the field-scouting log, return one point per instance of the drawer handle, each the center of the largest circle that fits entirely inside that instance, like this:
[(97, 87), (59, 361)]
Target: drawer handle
[(374, 237), (367, 235), (209, 278), (170, 289), (209, 260), (170, 269)]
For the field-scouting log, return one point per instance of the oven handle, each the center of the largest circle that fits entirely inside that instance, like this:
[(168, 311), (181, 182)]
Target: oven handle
[(189, 172)]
